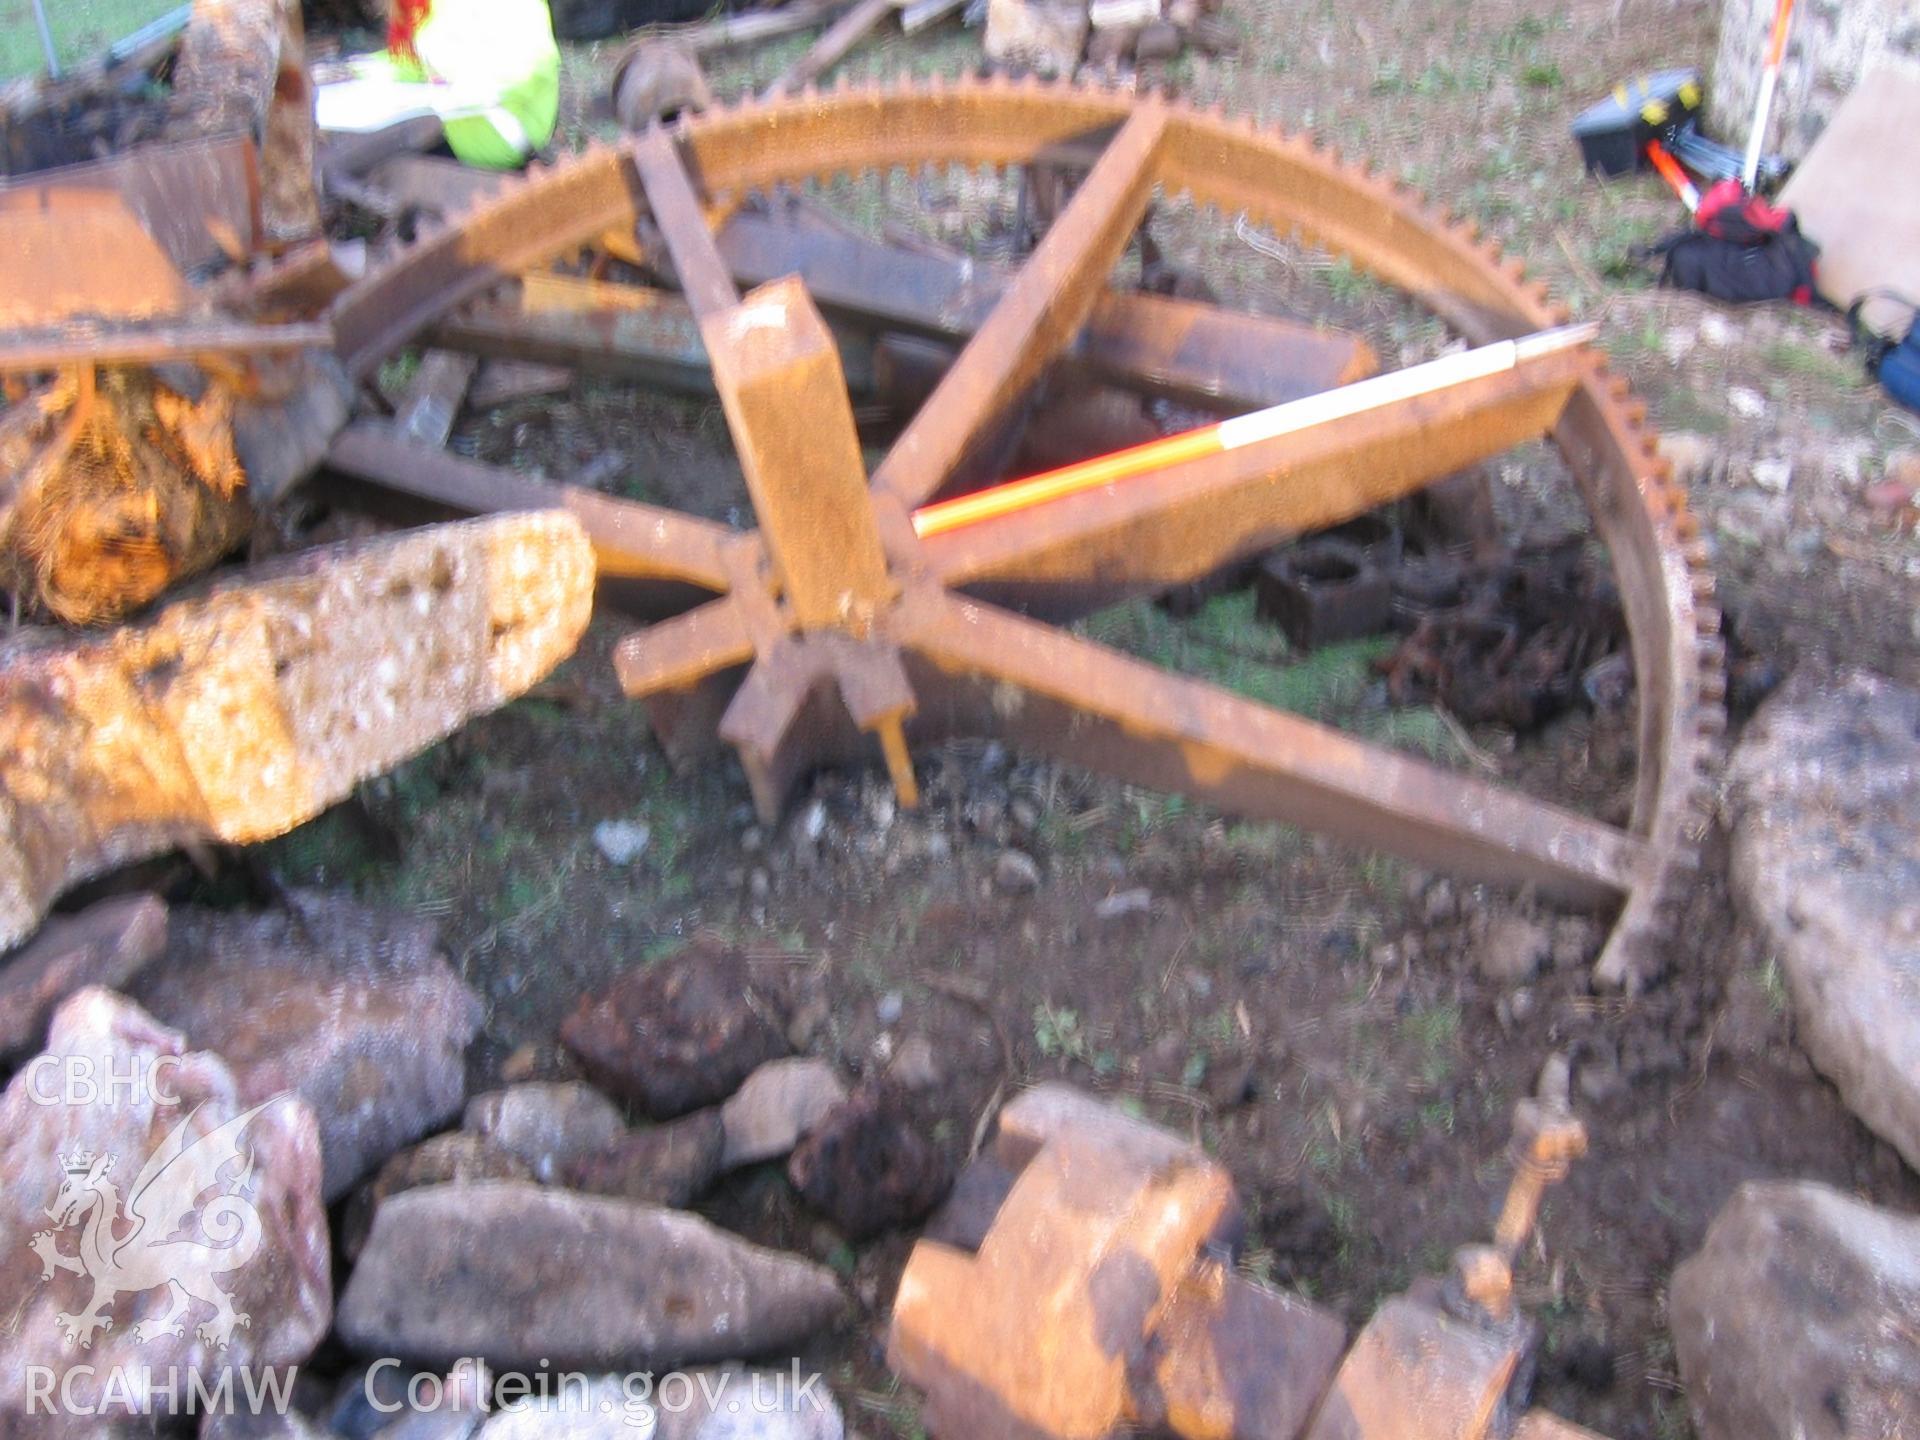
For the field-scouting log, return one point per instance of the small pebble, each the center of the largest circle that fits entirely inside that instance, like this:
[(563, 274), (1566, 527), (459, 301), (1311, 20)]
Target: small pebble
[(1016, 872), (1138, 901), (1773, 473), (621, 841)]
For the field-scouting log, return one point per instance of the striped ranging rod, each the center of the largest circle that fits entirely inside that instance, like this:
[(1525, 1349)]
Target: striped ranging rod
[(1268, 424)]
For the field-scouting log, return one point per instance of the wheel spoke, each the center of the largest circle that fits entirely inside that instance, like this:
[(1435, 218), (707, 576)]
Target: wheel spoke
[(631, 540), (683, 225), (1037, 318), (676, 653), (1094, 706)]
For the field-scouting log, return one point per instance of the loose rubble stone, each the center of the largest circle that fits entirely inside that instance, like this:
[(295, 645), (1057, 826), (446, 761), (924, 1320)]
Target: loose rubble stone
[(457, 1157), (666, 1164), (868, 1167), (523, 1276), (1109, 48), (1513, 950), (354, 1009), (1159, 41), (779, 1103), (1822, 792), (1015, 872), (422, 1405), (1045, 36), (914, 1066), (732, 1403), (1137, 901), (89, 1189), (1799, 1318), (547, 1125), (238, 714), (105, 945), (621, 842), (1903, 468), (681, 1034), (1773, 473)]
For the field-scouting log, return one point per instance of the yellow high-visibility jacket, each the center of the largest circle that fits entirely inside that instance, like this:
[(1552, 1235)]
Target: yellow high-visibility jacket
[(505, 47)]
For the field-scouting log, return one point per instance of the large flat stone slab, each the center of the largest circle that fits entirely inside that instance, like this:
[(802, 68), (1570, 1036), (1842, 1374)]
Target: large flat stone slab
[(1799, 1318), (523, 1277), (106, 944), (353, 1009), (239, 713), (1823, 794)]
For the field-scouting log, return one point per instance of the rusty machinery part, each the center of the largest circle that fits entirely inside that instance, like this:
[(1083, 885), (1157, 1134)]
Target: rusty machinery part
[(915, 630)]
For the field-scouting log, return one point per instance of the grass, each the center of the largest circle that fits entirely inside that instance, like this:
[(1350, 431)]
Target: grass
[(1059, 1033), (82, 30), (1433, 1035)]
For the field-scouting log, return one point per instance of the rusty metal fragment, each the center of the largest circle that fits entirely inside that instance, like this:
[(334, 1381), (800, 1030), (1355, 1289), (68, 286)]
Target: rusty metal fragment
[(87, 260), (236, 715), (1417, 1372), (181, 193), (427, 410), (1097, 1298), (1200, 354)]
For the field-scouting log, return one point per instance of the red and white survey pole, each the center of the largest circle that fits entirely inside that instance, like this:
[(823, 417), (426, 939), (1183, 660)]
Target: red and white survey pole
[(1769, 82), (1242, 430)]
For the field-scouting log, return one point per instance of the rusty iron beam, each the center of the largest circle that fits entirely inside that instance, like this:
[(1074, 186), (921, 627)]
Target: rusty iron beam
[(778, 374), (649, 337), (1201, 354), (676, 209), (1147, 534), (1038, 317), (83, 342), (1093, 706), (631, 540), (1181, 349)]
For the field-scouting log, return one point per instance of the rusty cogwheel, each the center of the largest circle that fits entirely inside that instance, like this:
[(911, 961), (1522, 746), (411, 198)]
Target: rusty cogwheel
[(847, 617)]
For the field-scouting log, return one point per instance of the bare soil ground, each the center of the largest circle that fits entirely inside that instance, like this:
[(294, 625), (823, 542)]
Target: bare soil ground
[(1315, 1017)]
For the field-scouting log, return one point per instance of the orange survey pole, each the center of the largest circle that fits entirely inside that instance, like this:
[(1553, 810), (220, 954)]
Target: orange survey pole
[(1274, 421), (1671, 172)]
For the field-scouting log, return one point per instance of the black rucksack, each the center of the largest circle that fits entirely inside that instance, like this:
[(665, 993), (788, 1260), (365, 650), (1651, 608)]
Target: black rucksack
[(1740, 249)]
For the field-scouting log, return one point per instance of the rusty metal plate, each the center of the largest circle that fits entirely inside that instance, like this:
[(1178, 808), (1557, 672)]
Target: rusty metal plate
[(183, 194), (84, 259)]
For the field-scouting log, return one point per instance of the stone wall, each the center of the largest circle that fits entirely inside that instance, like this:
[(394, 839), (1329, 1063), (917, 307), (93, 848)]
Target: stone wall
[(1832, 44)]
